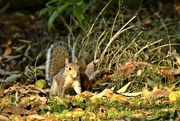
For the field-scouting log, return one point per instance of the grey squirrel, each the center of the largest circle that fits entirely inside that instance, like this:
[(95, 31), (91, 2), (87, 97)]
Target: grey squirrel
[(62, 71)]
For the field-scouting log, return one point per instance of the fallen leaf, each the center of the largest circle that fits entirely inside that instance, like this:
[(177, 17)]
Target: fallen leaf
[(11, 78), (12, 88), (94, 75), (100, 95), (118, 98), (40, 83), (124, 88), (34, 117), (78, 113), (128, 67), (171, 78), (157, 93), (165, 70), (3, 118), (17, 110), (147, 21), (7, 52), (134, 94), (173, 96), (91, 67)]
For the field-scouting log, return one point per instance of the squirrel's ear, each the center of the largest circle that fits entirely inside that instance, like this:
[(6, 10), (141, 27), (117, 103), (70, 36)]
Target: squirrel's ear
[(66, 61), (76, 60)]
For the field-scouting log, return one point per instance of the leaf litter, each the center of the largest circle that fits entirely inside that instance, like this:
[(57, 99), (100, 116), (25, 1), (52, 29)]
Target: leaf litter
[(31, 101)]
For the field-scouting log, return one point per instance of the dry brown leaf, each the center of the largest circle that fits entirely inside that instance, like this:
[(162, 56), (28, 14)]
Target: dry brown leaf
[(165, 70), (23, 89), (147, 21), (128, 67), (171, 78), (106, 77), (91, 67), (17, 110), (131, 64), (168, 73), (7, 52), (34, 117), (157, 93), (34, 99), (12, 88), (3, 118)]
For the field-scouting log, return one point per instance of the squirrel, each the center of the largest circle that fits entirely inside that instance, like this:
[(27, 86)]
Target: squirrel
[(63, 72), (60, 73)]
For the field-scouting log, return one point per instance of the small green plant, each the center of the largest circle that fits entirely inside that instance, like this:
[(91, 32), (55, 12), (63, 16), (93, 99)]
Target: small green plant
[(78, 8)]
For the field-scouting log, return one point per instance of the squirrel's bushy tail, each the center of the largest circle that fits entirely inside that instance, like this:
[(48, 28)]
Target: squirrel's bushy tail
[(55, 59)]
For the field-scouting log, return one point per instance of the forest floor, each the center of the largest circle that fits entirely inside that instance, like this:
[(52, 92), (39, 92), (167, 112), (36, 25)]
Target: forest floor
[(136, 65)]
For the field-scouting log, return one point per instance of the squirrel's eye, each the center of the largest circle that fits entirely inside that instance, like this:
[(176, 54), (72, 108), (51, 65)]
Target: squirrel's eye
[(70, 68)]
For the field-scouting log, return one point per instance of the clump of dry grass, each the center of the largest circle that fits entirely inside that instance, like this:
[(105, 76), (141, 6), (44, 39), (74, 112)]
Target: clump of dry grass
[(119, 43)]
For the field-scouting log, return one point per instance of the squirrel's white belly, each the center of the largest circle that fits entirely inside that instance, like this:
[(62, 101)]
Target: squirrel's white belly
[(72, 83), (69, 82)]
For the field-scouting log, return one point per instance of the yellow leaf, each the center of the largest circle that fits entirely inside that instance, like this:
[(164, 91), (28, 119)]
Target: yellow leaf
[(134, 94), (173, 96), (124, 88), (78, 113), (40, 83), (118, 98), (105, 92)]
